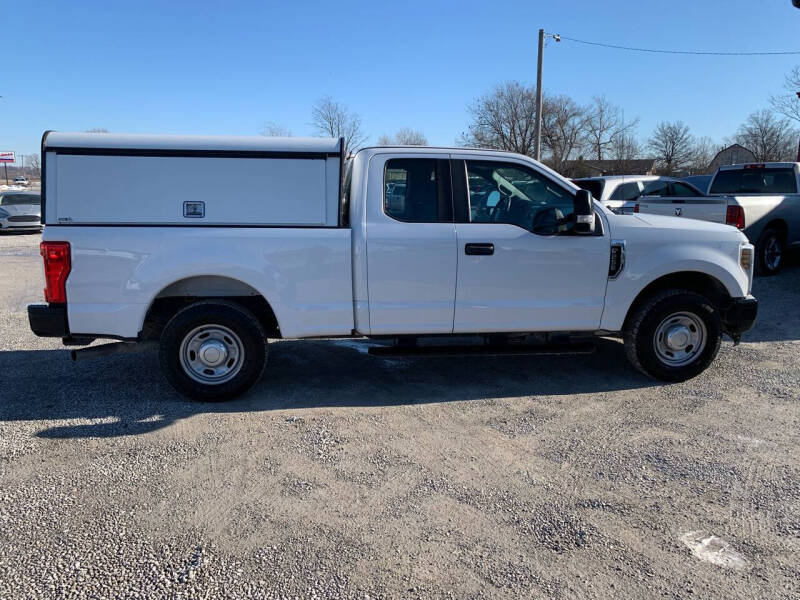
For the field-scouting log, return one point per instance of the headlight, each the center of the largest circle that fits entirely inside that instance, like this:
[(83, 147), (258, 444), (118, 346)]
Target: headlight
[(3, 213), (746, 260)]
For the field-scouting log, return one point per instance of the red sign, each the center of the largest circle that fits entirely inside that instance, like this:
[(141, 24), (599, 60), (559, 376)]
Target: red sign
[(7, 157)]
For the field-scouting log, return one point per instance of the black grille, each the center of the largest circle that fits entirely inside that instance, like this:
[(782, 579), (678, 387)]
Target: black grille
[(24, 219)]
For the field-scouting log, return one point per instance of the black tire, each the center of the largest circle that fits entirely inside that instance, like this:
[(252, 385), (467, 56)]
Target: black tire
[(770, 249), (642, 326), (248, 345)]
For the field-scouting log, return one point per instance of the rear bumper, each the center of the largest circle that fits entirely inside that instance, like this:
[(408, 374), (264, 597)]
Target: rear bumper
[(48, 320), (740, 315)]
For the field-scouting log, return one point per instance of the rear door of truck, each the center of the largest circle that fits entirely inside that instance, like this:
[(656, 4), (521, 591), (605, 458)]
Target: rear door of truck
[(679, 199), (411, 244)]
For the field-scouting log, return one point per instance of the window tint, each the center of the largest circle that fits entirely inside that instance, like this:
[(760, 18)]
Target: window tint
[(626, 191), (656, 188), (17, 199), (594, 186), (683, 190), (508, 193), (755, 181), (417, 190)]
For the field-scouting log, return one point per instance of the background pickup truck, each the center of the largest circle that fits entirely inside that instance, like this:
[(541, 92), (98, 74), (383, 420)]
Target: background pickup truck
[(143, 242), (761, 199)]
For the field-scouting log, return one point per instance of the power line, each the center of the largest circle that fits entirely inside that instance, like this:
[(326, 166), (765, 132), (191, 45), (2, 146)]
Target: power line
[(614, 46)]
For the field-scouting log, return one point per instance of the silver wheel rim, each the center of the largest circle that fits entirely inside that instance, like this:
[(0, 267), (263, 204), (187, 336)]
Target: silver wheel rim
[(772, 253), (211, 354), (680, 339)]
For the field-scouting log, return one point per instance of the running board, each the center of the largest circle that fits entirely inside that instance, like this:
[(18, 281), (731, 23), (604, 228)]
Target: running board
[(485, 349)]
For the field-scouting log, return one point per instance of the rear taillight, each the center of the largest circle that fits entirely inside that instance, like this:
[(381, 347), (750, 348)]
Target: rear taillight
[(636, 207), (57, 265), (735, 216)]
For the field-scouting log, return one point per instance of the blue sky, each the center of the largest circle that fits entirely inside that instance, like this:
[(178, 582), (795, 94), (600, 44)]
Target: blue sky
[(228, 67)]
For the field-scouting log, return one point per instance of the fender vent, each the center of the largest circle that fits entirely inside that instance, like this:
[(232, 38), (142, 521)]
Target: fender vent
[(616, 261)]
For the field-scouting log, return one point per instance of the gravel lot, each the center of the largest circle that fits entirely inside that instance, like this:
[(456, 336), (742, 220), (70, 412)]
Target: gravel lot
[(346, 475)]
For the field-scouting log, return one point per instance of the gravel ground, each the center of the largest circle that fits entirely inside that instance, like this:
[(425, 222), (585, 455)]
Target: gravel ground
[(343, 475)]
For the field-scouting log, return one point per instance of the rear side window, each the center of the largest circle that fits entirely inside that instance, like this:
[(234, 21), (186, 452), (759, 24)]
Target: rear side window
[(18, 199), (656, 188), (755, 181), (683, 190), (593, 186), (626, 191), (417, 190)]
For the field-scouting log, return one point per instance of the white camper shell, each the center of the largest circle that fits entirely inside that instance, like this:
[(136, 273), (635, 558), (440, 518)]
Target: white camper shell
[(98, 178)]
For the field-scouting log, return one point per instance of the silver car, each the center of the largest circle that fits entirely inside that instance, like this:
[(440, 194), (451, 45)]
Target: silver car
[(20, 211)]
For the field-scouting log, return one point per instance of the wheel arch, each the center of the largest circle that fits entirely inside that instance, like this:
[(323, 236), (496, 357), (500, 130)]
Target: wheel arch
[(187, 290), (693, 281)]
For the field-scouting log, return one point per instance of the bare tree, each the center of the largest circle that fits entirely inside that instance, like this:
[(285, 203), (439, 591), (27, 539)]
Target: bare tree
[(623, 151), (563, 122), (769, 138), (788, 103), (330, 118), (405, 136), (503, 119), (672, 145), (35, 163), (604, 122), (273, 129), (704, 151)]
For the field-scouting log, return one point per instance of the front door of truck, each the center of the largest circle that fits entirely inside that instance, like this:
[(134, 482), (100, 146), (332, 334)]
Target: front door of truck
[(411, 244), (520, 266)]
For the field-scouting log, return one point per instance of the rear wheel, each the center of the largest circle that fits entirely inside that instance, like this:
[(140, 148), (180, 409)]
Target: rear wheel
[(769, 252), (213, 350), (674, 335)]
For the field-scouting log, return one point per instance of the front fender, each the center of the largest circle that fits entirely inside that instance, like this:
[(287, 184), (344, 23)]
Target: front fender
[(644, 267)]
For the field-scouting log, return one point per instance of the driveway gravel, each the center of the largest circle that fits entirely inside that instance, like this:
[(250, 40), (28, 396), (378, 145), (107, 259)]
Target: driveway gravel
[(343, 475)]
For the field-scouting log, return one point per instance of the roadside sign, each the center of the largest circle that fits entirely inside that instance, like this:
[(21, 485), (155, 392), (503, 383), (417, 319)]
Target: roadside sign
[(7, 157)]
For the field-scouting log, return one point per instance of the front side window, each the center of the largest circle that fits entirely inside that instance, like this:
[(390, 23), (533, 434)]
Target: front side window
[(416, 190), (512, 194)]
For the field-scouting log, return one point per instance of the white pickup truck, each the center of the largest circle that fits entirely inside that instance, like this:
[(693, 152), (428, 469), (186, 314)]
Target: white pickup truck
[(146, 240), (761, 199)]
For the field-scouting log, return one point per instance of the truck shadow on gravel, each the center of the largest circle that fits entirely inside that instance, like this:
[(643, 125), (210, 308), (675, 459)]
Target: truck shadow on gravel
[(126, 394)]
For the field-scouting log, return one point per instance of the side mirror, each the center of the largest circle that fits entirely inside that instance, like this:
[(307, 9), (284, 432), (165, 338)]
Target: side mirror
[(583, 209)]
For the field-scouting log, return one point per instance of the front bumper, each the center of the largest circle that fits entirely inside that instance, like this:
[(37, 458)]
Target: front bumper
[(740, 316), (48, 320), (7, 225)]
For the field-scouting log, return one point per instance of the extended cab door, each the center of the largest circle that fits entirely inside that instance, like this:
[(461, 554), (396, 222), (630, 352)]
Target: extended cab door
[(411, 244), (520, 266)]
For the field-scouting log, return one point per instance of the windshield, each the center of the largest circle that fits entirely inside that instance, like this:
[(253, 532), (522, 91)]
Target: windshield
[(594, 186), (17, 199), (755, 181)]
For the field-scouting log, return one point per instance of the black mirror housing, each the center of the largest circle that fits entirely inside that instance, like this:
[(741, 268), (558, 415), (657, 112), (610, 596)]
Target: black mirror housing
[(583, 209)]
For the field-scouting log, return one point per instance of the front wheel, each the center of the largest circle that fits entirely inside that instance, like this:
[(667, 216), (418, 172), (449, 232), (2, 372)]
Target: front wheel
[(213, 350), (674, 335)]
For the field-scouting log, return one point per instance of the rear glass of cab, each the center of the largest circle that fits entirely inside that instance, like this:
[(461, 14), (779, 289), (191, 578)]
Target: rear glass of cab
[(755, 181)]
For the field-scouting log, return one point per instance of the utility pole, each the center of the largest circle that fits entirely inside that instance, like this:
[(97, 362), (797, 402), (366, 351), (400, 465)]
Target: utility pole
[(537, 131), (798, 97), (537, 140)]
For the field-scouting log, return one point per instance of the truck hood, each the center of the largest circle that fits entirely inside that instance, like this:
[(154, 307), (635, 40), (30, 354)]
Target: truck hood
[(678, 227), (21, 209)]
